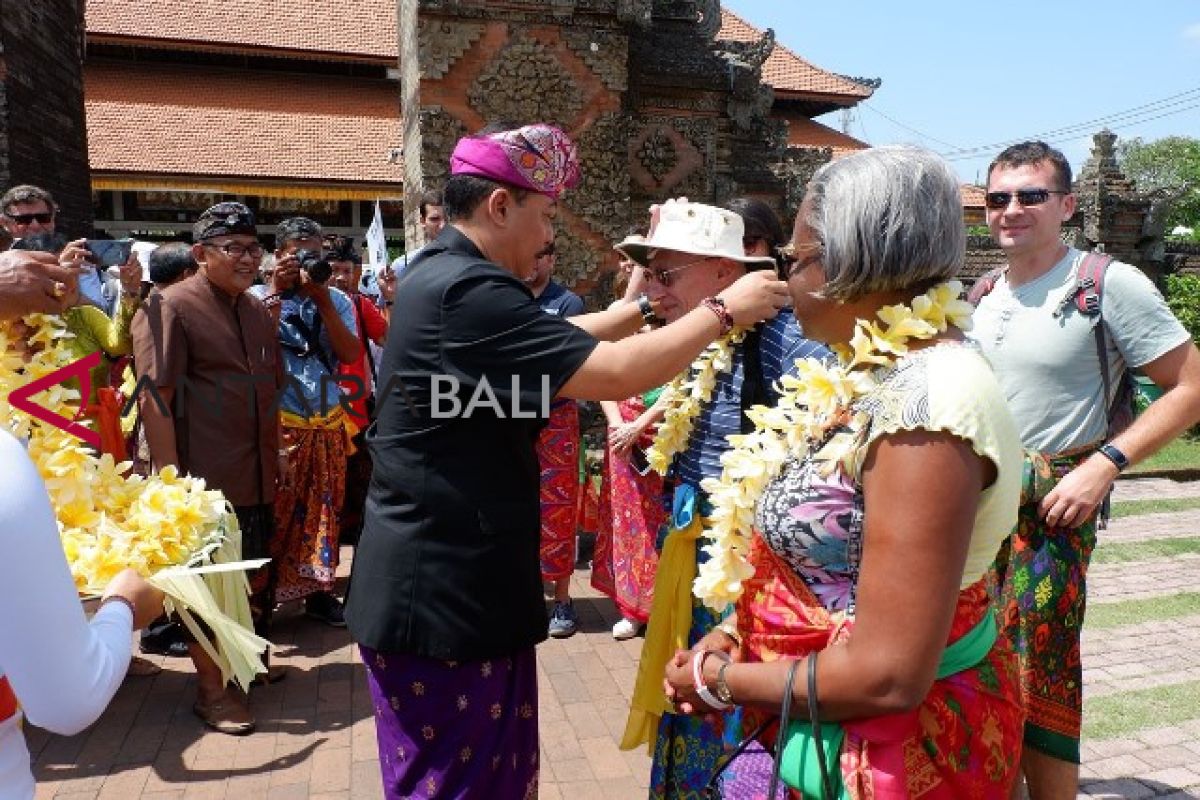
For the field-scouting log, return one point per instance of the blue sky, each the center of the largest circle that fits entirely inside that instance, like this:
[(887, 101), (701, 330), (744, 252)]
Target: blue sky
[(966, 75)]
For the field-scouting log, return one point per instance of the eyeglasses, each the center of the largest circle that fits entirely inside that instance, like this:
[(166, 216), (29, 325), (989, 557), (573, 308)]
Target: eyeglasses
[(236, 251), (1026, 197), (42, 217), (790, 261), (663, 276)]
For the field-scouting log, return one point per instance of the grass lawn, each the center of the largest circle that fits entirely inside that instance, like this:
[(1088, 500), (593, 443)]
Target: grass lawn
[(1135, 508), (1133, 612), (1121, 714), (1122, 552), (1182, 453)]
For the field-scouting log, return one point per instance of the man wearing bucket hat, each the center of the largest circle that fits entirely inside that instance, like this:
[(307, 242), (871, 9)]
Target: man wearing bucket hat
[(445, 598), (694, 251)]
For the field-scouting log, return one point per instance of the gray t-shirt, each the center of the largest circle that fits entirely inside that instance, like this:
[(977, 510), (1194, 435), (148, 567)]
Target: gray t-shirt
[(1047, 365)]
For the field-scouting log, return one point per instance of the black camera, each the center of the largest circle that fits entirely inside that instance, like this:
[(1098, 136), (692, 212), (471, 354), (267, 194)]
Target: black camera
[(315, 264)]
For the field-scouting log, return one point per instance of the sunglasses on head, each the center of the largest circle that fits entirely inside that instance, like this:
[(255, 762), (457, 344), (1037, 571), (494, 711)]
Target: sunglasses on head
[(790, 260), (1025, 197), (42, 217)]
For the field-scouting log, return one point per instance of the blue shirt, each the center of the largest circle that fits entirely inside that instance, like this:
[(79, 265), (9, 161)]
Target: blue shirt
[(560, 301), (781, 345), (303, 366)]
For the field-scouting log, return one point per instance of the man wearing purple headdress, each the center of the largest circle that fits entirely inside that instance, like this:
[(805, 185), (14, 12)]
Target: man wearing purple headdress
[(445, 597)]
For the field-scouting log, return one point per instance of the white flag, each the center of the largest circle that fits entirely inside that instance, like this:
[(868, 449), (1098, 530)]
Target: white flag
[(376, 243)]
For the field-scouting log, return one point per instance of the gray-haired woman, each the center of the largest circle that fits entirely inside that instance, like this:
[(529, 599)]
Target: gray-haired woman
[(888, 483)]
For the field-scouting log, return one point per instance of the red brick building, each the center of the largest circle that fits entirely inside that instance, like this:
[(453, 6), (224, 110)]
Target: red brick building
[(293, 107)]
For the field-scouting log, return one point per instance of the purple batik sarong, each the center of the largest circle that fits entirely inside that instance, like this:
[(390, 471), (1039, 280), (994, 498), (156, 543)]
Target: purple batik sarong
[(455, 729)]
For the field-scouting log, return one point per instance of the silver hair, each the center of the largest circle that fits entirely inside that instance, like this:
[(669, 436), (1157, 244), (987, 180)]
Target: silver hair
[(887, 218)]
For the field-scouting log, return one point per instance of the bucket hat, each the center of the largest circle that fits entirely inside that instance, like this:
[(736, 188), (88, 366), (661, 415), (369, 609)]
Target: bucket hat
[(697, 229)]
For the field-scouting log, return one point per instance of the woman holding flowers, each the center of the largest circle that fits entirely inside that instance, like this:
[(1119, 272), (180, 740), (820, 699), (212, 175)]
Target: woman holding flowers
[(854, 526), (56, 669)]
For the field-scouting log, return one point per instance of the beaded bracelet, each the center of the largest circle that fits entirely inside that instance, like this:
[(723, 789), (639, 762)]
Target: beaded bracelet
[(717, 306)]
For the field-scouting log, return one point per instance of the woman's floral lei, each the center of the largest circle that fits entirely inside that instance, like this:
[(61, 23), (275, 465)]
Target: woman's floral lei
[(813, 402), (163, 526), (685, 396)]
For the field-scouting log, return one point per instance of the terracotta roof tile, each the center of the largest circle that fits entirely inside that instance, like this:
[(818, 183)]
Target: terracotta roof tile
[(192, 121), (804, 132), (785, 70), (349, 27)]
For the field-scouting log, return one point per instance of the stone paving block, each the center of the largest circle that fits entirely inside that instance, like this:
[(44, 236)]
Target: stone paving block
[(1124, 766), (1173, 778), (604, 757), (1171, 756), (1123, 789), (1164, 736), (331, 770), (568, 770)]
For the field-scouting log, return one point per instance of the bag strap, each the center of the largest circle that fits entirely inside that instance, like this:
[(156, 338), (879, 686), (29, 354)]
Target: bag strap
[(362, 335), (312, 338), (984, 285), (815, 715), (785, 716), (753, 391)]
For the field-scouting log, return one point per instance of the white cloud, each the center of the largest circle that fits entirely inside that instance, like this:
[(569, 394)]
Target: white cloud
[(1192, 32)]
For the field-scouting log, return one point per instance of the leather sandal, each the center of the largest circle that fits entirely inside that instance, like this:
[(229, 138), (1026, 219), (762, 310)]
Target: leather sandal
[(225, 716), (142, 668), (274, 674)]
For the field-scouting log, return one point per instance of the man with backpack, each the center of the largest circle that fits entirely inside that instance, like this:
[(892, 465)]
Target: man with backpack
[(1061, 328)]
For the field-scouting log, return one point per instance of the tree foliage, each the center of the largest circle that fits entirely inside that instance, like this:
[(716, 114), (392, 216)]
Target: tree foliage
[(1171, 164)]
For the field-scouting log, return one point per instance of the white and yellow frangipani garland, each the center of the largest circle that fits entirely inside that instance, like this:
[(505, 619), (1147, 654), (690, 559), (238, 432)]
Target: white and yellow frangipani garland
[(182, 537), (684, 397), (813, 402)]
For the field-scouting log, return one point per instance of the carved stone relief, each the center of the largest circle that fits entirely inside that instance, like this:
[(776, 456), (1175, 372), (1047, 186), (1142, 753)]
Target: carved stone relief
[(440, 43), (526, 81), (606, 54), (602, 197)]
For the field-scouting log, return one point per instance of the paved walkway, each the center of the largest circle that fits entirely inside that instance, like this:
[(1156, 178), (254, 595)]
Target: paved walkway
[(316, 734)]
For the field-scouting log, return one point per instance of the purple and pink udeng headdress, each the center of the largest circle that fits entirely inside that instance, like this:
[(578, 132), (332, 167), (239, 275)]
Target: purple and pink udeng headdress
[(537, 157)]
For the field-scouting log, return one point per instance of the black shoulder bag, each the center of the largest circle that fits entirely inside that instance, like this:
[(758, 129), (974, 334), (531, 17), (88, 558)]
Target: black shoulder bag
[(712, 791)]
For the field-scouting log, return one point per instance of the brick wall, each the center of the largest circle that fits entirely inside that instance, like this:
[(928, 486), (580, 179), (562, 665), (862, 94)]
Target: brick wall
[(42, 132)]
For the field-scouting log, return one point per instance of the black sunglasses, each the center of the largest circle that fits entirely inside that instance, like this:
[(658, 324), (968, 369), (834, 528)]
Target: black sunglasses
[(42, 217), (1026, 197), (789, 262)]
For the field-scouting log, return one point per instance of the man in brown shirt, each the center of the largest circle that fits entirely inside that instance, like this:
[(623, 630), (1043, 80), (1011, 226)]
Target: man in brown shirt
[(209, 348)]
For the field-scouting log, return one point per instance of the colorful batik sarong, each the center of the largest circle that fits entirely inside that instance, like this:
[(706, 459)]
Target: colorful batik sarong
[(962, 741), (1039, 584), (631, 513), (685, 749), (308, 505), (466, 729), (558, 457)]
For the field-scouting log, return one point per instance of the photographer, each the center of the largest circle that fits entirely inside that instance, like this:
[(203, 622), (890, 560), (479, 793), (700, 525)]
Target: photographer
[(316, 332)]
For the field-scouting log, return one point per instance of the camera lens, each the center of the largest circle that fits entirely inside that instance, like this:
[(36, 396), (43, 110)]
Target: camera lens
[(319, 270)]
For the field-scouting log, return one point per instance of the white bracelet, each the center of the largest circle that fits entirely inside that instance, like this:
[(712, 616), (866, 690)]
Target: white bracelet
[(698, 679)]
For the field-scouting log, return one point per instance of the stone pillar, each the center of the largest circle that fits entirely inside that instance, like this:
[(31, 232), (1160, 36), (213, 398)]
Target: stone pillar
[(1113, 216), (43, 136)]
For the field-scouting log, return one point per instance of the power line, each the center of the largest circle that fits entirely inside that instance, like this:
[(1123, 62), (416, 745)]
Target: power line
[(900, 124), (1124, 117), (1075, 135)]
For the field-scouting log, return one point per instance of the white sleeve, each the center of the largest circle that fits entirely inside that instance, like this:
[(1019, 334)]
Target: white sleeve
[(63, 669)]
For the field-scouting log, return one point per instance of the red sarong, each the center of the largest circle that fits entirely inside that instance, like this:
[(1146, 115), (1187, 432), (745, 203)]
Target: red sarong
[(964, 740), (558, 457), (631, 512)]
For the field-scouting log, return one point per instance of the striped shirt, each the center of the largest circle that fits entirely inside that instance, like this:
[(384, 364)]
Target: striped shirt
[(781, 345)]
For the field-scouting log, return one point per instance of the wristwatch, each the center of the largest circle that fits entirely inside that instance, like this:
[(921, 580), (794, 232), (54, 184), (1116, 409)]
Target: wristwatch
[(1113, 454), (643, 303), (723, 692)]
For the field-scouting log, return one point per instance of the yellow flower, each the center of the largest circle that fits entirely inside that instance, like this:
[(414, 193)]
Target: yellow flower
[(812, 401)]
